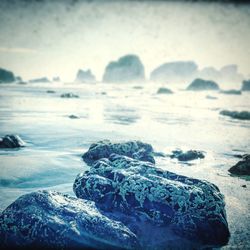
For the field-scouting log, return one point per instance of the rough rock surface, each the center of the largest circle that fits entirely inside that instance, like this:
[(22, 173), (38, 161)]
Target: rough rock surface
[(246, 85), (6, 76), (200, 84), (40, 80), (85, 76), (128, 68), (242, 115), (188, 155), (11, 141), (147, 200), (46, 219), (174, 71), (231, 92), (69, 95), (103, 149), (242, 167), (163, 90)]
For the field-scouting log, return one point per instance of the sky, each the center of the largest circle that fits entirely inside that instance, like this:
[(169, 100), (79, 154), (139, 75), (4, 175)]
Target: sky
[(56, 38)]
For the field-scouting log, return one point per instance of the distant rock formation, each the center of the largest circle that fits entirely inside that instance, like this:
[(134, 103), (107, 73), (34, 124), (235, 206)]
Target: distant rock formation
[(11, 141), (128, 68), (69, 95), (188, 155), (211, 97), (174, 71), (245, 85), (240, 115), (56, 79), (163, 90), (242, 167), (40, 80), (85, 76), (231, 92), (6, 76), (200, 84)]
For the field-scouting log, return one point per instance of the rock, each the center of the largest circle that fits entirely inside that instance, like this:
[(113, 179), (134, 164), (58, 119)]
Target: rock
[(22, 83), (244, 186), (69, 95), (231, 92), (85, 76), (174, 71), (56, 79), (211, 97), (241, 115), (242, 167), (200, 84), (157, 205), (73, 117), (46, 219), (188, 155), (18, 79), (40, 80), (51, 91), (128, 68), (163, 90), (11, 141), (6, 76), (134, 149), (245, 85)]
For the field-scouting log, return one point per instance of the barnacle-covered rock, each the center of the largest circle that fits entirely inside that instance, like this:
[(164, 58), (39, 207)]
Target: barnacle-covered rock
[(46, 219), (138, 194), (188, 155), (134, 149), (11, 141)]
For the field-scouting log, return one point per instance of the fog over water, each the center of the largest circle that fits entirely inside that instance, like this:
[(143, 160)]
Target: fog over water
[(47, 38)]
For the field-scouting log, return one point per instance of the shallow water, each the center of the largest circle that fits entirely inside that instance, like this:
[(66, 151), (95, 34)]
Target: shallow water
[(186, 120)]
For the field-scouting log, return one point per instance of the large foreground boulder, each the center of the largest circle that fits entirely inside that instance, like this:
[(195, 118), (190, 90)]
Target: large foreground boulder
[(162, 208), (240, 115), (245, 85), (242, 167), (85, 76), (128, 68), (6, 76), (11, 141), (103, 149), (46, 219), (200, 84)]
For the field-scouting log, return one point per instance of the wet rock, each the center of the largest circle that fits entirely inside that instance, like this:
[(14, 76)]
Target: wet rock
[(73, 117), (200, 84), (174, 71), (241, 115), (11, 141), (245, 85), (46, 219), (211, 97), (6, 76), (244, 186), (128, 68), (163, 90), (51, 91), (134, 149), (40, 80), (188, 155), (85, 76), (148, 199), (69, 95), (242, 167), (231, 92), (22, 82)]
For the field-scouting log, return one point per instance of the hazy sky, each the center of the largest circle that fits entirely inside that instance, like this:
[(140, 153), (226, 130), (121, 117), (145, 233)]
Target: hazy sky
[(49, 38)]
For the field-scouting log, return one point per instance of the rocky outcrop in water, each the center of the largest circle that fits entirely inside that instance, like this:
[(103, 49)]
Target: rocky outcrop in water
[(40, 80), (148, 199), (11, 141), (188, 155), (46, 219), (134, 149), (245, 85), (242, 167), (69, 95), (200, 84), (85, 76), (240, 115), (174, 71), (128, 68), (163, 90), (231, 92), (6, 76)]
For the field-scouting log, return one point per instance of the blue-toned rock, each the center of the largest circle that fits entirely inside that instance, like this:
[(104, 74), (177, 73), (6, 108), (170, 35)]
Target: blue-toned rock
[(46, 219), (188, 155), (6, 76), (240, 115), (147, 200), (11, 141), (242, 167), (134, 149), (245, 85), (200, 84)]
